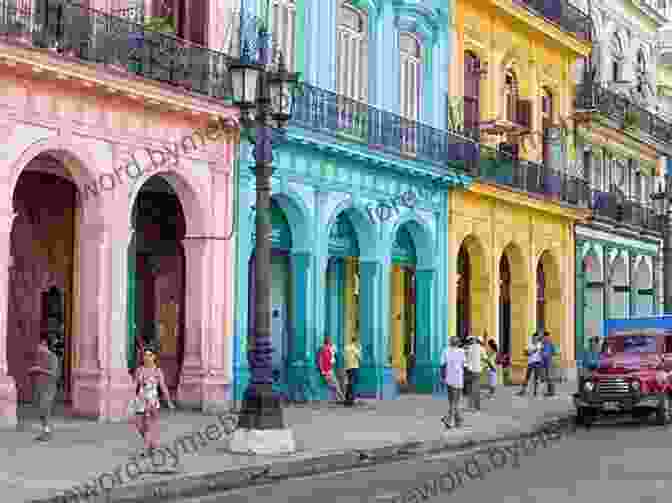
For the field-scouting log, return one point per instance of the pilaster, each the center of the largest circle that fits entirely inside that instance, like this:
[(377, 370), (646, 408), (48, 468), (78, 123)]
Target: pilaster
[(7, 383), (426, 367), (632, 291), (300, 372)]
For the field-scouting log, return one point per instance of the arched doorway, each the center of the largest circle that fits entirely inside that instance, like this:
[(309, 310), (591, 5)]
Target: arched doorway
[(618, 289), (403, 323), (472, 289), (549, 298), (643, 290), (281, 298), (41, 269), (504, 305), (157, 276), (342, 316)]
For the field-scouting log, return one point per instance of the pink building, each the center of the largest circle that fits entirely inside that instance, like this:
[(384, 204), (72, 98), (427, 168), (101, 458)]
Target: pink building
[(83, 94)]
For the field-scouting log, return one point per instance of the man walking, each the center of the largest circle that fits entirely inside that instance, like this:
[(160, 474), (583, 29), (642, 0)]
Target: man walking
[(548, 350), (473, 373), (45, 373), (353, 356), (452, 365), (326, 361), (534, 365)]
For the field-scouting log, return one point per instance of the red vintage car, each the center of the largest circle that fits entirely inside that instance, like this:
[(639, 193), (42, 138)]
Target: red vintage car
[(632, 375)]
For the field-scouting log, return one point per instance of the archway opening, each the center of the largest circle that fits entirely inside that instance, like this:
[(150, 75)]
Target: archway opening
[(472, 289), (402, 348), (593, 303), (643, 290), (618, 291), (549, 298), (281, 298), (504, 305), (342, 295), (41, 275), (513, 303), (157, 272)]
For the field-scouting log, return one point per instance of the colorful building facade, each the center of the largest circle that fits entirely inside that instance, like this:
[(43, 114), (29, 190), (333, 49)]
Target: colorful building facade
[(622, 140), (103, 230), (511, 236), (348, 261)]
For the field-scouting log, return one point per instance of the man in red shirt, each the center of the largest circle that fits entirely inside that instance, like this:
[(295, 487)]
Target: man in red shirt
[(326, 360)]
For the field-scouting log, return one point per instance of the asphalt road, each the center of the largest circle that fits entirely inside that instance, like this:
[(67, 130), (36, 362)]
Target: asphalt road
[(615, 462)]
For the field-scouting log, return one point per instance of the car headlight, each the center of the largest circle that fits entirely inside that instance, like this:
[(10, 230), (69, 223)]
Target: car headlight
[(635, 385), (589, 386)]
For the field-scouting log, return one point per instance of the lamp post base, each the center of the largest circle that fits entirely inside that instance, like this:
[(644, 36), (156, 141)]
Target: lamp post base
[(262, 442)]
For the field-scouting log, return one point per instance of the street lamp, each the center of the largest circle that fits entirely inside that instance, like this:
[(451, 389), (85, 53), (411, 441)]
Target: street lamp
[(264, 98), (661, 201)]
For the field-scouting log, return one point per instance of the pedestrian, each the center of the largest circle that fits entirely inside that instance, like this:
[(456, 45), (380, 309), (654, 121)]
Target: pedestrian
[(473, 373), (353, 356), (489, 364), (326, 361), (45, 373), (452, 373), (548, 350), (534, 365), (149, 381)]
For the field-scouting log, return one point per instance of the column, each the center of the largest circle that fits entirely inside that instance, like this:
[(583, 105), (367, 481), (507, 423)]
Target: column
[(374, 367), (656, 288), (193, 374), (130, 304), (632, 289), (580, 344), (7, 383), (396, 313), (426, 368), (299, 363)]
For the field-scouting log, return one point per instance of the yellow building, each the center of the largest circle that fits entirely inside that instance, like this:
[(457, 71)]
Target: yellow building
[(511, 235)]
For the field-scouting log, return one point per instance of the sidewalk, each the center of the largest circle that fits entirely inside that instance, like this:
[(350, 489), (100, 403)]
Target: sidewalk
[(81, 450)]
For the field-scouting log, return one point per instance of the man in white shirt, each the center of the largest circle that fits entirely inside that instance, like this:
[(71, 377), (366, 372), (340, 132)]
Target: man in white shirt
[(473, 372), (452, 369)]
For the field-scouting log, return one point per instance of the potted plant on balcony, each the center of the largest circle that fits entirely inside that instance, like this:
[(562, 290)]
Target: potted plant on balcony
[(631, 120)]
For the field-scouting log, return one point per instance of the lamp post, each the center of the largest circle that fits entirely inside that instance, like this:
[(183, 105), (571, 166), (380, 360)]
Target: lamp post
[(662, 201), (264, 98)]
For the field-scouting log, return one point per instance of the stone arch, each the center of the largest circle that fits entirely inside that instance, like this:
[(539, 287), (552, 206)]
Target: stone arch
[(549, 296), (190, 195), (473, 287), (513, 299), (364, 228), (298, 217), (642, 288), (423, 239), (617, 285)]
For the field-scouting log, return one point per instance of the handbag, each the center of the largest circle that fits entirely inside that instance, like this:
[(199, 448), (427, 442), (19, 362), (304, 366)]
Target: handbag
[(136, 406)]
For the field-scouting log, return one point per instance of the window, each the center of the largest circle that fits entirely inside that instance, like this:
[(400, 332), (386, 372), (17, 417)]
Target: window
[(617, 59), (283, 18), (596, 170), (472, 91), (352, 54), (510, 95), (641, 73), (410, 66), (637, 189)]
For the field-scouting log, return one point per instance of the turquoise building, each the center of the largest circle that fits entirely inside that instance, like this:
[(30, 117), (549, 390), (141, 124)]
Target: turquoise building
[(351, 259)]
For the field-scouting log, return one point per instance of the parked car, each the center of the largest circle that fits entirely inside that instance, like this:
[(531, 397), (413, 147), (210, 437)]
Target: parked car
[(632, 376)]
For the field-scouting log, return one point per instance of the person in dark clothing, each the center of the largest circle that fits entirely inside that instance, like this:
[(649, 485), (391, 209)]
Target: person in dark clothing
[(548, 350)]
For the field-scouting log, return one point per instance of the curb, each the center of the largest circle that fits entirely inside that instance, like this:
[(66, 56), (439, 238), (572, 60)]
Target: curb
[(194, 486)]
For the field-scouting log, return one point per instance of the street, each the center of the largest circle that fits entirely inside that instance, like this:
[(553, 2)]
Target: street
[(616, 461)]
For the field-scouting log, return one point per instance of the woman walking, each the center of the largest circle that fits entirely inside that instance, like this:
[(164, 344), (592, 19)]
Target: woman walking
[(489, 364), (45, 373), (149, 381)]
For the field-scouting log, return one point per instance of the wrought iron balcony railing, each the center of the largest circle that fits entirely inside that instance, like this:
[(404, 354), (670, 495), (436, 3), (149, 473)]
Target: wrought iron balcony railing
[(614, 207), (328, 113), (497, 166), (596, 97), (77, 31), (564, 14)]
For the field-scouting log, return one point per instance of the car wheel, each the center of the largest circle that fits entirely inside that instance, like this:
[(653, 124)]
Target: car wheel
[(664, 410), (584, 417)]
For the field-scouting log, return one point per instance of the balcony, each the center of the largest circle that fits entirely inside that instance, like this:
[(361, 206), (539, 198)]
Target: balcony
[(347, 120), (78, 32), (328, 113), (597, 98), (568, 17), (614, 208)]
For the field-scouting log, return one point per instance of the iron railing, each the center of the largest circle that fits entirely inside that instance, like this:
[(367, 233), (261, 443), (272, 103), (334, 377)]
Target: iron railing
[(328, 113), (499, 167), (77, 31), (564, 14), (614, 207), (594, 96)]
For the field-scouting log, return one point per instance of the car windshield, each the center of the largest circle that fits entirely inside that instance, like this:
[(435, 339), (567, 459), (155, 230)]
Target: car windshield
[(630, 344)]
